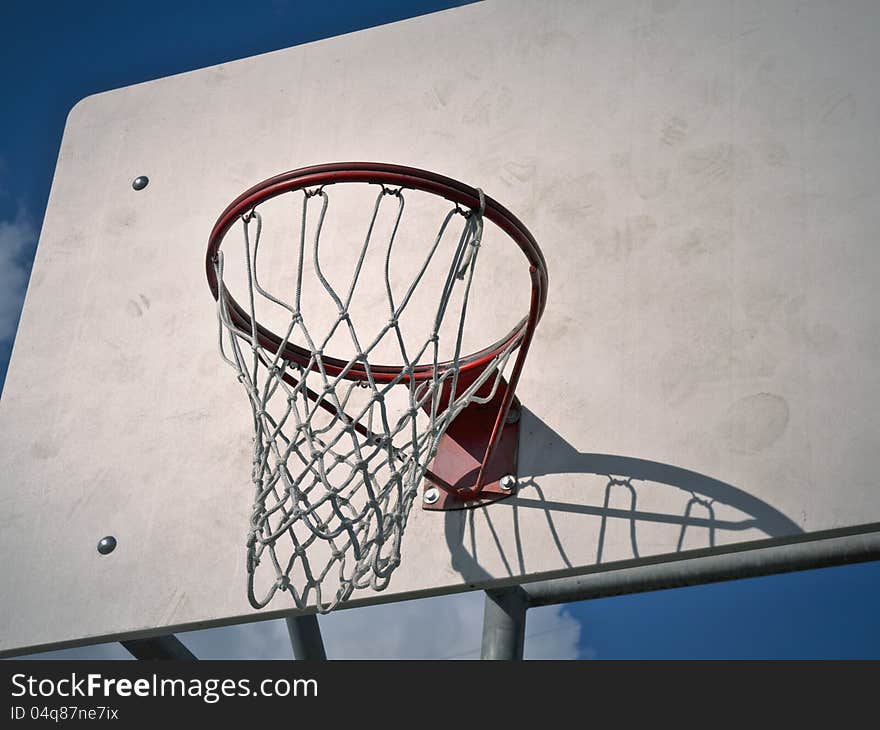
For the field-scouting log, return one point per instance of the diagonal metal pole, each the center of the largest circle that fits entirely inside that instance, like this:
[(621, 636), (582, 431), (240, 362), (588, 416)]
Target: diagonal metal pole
[(166, 648), (504, 623), (751, 563), (305, 637)]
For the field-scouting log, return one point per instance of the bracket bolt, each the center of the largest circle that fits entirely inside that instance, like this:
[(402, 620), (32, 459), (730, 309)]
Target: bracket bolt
[(512, 415), (507, 482), (432, 494)]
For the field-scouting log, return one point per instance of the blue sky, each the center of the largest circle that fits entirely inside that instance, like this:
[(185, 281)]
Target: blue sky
[(57, 54)]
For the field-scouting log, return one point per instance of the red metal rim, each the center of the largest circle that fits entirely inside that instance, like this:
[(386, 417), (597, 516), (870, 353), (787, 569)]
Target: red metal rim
[(396, 176)]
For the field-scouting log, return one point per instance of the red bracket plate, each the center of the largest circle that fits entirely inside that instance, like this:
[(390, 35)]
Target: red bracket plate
[(454, 469)]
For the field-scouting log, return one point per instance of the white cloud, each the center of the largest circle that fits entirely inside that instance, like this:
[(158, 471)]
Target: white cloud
[(261, 640), (433, 628), (447, 627), (552, 633), (17, 238)]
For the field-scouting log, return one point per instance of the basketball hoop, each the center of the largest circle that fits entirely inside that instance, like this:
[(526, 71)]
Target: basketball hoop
[(349, 483)]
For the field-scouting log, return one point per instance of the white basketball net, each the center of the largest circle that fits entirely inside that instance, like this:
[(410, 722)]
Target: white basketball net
[(336, 471)]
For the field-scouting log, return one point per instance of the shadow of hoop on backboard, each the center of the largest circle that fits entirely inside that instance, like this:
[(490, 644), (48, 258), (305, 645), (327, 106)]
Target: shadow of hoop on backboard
[(625, 508)]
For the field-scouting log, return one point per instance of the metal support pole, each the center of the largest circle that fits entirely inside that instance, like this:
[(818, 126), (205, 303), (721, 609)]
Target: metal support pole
[(167, 647), (504, 623), (305, 636), (747, 563)]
